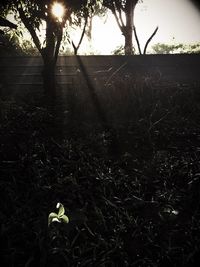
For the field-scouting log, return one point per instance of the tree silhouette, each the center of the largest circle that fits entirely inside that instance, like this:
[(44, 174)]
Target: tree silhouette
[(35, 12), (6, 23), (123, 11)]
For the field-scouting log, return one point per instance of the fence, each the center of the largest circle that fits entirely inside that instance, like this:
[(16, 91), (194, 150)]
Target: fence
[(26, 71), (123, 99)]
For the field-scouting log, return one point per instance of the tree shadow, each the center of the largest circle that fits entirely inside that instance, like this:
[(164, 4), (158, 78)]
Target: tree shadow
[(98, 108)]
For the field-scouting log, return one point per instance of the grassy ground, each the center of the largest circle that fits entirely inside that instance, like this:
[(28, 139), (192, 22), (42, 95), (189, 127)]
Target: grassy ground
[(130, 188)]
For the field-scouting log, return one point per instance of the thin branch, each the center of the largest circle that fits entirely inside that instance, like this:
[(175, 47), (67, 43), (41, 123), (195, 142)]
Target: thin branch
[(81, 39), (113, 9), (30, 28), (149, 40), (7, 23), (74, 47), (116, 7), (120, 17), (137, 40), (59, 40), (117, 20), (58, 46)]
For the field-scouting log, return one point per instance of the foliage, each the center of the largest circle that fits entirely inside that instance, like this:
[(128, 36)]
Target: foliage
[(119, 50), (83, 20), (12, 45), (119, 4), (33, 13), (162, 48)]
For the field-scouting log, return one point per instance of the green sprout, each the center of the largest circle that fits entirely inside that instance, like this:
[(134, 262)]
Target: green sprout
[(58, 217)]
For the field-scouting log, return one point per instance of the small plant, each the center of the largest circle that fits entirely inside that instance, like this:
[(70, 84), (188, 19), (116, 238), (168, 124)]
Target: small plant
[(58, 217)]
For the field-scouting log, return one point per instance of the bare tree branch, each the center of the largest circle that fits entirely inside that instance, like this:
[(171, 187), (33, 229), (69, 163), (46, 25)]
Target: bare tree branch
[(117, 7), (121, 19), (149, 40), (30, 28), (59, 39), (137, 40), (81, 39), (117, 20), (7, 23)]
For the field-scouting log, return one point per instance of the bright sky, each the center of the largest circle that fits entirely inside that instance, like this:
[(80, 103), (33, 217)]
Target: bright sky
[(178, 21)]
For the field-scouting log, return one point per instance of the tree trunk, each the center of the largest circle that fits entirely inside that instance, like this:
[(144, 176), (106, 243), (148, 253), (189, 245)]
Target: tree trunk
[(128, 48), (49, 82), (128, 29), (48, 55)]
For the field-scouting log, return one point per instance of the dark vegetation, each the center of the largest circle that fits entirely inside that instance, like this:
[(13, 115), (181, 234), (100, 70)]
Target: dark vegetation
[(124, 161)]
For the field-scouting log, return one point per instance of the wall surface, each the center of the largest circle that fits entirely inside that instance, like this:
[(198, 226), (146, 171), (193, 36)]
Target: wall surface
[(105, 89), (25, 72)]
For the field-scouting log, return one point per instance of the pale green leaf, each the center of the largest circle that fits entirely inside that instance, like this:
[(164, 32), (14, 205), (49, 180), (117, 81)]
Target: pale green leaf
[(64, 218), (56, 220), (52, 216), (61, 211)]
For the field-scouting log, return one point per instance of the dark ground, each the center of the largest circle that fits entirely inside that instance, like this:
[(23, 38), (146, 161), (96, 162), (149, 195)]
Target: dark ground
[(126, 168)]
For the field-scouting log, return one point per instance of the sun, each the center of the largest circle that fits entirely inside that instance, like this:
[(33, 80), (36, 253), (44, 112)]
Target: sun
[(58, 10)]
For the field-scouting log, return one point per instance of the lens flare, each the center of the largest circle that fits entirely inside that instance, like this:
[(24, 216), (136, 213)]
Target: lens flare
[(58, 10)]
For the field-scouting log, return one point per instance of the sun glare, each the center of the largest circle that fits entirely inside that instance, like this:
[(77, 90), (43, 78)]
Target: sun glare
[(58, 10)]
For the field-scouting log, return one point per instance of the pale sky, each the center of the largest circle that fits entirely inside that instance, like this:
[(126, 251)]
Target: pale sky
[(178, 21)]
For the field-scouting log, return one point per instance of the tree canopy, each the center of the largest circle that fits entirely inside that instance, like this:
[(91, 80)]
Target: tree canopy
[(162, 48), (34, 13)]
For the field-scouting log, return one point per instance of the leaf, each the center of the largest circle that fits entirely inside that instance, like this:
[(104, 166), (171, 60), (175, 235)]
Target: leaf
[(52, 216), (175, 212), (61, 211), (56, 220), (64, 218)]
